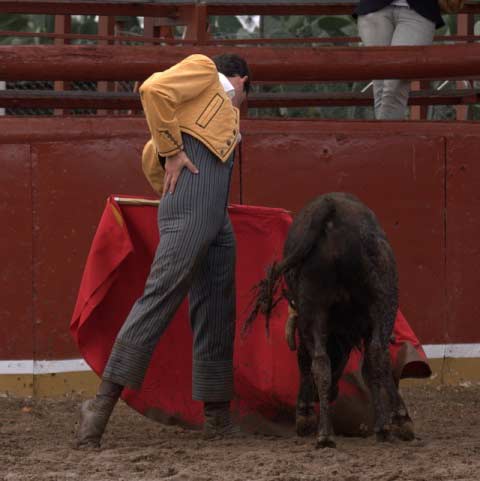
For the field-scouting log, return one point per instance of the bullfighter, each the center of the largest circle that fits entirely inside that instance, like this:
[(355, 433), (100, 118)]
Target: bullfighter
[(192, 111)]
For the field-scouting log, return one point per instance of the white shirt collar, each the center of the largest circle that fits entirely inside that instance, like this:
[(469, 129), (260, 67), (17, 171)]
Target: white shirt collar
[(227, 85), (230, 91)]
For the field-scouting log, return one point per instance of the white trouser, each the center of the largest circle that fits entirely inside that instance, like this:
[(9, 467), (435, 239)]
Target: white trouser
[(393, 26)]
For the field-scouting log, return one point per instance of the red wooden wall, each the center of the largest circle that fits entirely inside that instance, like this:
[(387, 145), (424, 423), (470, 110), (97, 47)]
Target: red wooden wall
[(421, 179)]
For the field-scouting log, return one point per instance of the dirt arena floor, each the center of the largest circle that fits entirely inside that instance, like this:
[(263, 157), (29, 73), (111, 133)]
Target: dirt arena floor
[(35, 444)]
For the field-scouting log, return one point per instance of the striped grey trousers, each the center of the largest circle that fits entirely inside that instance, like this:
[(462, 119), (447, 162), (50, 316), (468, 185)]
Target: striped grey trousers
[(195, 256)]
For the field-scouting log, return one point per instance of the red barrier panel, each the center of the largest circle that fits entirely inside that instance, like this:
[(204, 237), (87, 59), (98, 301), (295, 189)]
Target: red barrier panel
[(72, 180), (463, 239), (400, 178), (16, 288), (57, 173)]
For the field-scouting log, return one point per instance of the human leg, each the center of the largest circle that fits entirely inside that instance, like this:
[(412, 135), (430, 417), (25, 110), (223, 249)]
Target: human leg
[(376, 30), (212, 316), (189, 221), (410, 29)]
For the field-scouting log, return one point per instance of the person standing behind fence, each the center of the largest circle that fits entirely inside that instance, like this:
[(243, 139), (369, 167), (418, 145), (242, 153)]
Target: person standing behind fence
[(396, 22)]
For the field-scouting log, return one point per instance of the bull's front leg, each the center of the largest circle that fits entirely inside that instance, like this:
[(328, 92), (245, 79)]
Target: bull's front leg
[(323, 378)]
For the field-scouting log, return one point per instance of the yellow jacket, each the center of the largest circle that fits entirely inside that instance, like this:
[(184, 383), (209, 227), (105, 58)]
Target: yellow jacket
[(187, 97)]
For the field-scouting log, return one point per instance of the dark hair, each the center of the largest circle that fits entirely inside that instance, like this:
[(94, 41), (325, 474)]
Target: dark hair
[(232, 65)]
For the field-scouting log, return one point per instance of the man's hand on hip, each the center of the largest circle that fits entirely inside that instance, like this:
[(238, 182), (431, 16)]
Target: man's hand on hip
[(173, 168)]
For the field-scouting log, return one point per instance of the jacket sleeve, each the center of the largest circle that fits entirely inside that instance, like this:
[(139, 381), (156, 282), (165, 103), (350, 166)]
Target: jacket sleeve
[(163, 92)]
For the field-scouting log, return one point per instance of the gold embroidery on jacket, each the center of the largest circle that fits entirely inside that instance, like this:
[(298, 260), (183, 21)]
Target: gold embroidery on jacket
[(210, 111), (170, 138)]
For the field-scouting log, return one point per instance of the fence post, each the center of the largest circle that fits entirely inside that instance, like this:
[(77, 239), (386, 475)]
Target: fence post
[(106, 26), (465, 26), (3, 86), (63, 24)]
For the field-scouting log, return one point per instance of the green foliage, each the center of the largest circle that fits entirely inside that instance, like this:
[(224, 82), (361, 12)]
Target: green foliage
[(81, 24), (307, 26), (25, 23), (84, 24), (227, 27)]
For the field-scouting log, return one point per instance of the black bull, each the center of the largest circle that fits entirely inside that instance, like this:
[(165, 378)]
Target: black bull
[(341, 280)]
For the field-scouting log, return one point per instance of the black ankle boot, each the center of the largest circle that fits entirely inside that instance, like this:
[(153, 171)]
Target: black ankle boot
[(218, 420), (94, 415)]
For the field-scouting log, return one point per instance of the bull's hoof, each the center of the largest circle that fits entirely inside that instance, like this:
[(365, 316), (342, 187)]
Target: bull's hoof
[(325, 442), (404, 430), (384, 436), (306, 425)]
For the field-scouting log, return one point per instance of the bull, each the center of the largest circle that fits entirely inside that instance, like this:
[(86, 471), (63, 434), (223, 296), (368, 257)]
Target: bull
[(339, 276)]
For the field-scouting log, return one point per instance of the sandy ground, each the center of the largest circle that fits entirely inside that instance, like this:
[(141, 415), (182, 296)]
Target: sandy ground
[(35, 444)]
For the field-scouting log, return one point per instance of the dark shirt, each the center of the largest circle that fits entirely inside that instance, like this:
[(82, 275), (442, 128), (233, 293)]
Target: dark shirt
[(426, 8)]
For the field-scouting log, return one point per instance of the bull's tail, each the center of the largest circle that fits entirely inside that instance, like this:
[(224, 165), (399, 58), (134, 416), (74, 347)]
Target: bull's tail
[(266, 295), (268, 292)]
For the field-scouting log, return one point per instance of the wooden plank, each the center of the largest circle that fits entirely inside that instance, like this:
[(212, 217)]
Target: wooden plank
[(131, 101), (165, 8), (105, 62)]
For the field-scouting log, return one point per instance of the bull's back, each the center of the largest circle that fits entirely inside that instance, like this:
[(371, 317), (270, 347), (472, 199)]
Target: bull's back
[(343, 245)]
